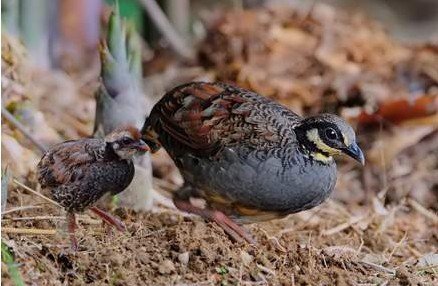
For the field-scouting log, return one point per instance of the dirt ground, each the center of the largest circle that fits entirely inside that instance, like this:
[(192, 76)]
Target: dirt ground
[(330, 245)]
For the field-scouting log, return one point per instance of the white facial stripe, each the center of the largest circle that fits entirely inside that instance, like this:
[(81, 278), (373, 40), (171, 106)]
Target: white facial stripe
[(346, 141)]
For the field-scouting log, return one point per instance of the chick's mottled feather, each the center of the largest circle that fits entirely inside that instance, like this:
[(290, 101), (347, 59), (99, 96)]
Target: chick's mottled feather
[(79, 172)]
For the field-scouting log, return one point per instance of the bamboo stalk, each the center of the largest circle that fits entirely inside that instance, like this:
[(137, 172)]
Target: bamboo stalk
[(34, 24), (10, 13), (81, 219)]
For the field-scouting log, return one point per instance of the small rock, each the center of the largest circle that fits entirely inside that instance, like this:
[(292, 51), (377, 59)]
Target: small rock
[(246, 258), (430, 259), (297, 268), (184, 257), (166, 267)]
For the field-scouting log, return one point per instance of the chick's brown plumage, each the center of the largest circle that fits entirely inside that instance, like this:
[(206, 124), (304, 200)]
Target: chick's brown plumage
[(79, 172)]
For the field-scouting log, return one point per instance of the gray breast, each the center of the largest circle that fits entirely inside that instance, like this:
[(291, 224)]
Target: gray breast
[(281, 180)]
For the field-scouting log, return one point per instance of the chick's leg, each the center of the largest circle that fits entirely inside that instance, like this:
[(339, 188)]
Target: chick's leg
[(236, 232), (109, 219), (71, 225)]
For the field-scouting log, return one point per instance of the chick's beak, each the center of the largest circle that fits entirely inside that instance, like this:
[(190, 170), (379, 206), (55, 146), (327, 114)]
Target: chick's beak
[(355, 152), (142, 146)]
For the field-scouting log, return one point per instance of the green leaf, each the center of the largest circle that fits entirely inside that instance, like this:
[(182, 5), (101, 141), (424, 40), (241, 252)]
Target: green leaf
[(222, 270), (13, 270), (134, 52)]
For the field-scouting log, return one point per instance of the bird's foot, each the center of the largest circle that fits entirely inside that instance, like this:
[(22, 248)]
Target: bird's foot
[(109, 219), (71, 222), (238, 233)]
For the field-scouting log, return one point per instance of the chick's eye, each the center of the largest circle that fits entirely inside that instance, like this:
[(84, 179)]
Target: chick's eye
[(331, 134), (126, 140)]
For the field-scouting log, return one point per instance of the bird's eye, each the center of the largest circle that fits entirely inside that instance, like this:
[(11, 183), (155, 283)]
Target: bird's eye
[(126, 140), (331, 134)]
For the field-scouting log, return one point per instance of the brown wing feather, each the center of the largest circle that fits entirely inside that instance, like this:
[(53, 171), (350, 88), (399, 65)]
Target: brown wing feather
[(68, 161), (204, 117)]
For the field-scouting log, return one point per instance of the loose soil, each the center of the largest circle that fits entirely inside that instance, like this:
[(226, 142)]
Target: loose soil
[(325, 246)]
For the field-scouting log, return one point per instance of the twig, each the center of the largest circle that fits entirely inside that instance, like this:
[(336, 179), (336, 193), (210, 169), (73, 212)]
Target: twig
[(31, 231), (17, 209), (379, 267), (162, 23), (33, 218), (422, 210), (17, 124), (274, 240), (343, 226), (35, 193), (397, 246), (265, 269), (46, 217), (79, 218), (414, 251)]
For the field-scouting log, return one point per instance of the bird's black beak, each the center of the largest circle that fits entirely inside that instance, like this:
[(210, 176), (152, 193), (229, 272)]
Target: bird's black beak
[(142, 146), (355, 152)]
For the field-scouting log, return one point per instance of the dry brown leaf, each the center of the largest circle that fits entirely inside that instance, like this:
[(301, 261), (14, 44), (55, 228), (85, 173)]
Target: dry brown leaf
[(388, 146), (21, 160)]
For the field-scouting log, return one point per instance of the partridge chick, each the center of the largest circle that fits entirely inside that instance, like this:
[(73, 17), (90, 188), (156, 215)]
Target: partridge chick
[(79, 172), (121, 100), (247, 157)]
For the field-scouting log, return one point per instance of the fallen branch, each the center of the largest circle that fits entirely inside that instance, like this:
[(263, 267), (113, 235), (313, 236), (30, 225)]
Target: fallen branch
[(17, 124)]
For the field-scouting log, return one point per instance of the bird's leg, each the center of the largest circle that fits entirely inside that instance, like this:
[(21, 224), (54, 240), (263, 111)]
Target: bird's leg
[(238, 233), (109, 219), (71, 222)]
